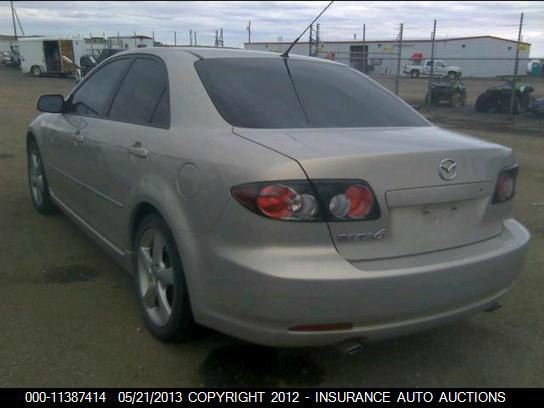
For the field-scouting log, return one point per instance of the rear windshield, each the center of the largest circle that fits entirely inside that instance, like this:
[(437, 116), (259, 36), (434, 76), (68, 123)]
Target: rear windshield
[(276, 93)]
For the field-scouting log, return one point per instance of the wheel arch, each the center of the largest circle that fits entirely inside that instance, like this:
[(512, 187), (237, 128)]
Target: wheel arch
[(140, 211), (30, 137)]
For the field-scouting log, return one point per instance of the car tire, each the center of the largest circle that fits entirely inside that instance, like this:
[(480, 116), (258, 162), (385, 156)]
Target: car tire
[(434, 100), (37, 181), (463, 97), (456, 100), (414, 73), (485, 102), (517, 106), (160, 282), (36, 71)]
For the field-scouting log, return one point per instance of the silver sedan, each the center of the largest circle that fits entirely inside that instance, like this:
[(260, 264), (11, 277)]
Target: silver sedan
[(288, 201)]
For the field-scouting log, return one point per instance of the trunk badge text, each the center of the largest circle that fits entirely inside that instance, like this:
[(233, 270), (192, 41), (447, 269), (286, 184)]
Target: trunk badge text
[(363, 236), (447, 169)]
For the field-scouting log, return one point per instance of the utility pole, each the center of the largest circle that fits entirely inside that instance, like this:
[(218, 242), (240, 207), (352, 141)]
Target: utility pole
[(365, 53), (311, 41), (92, 48), (196, 44), (317, 40), (430, 85), (399, 54), (191, 37), (216, 38), (221, 41), (135, 45), (516, 63), (19, 21), (13, 18), (249, 32), (175, 39)]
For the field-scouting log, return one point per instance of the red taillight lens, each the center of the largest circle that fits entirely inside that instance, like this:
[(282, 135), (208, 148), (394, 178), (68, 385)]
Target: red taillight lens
[(361, 200), (506, 185), (356, 202), (278, 201)]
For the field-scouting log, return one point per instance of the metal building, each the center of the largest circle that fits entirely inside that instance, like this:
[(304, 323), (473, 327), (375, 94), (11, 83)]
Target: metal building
[(130, 42), (481, 56)]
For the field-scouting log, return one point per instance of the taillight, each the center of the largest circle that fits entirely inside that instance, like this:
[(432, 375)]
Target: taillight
[(506, 185), (291, 200), (355, 203), (321, 200)]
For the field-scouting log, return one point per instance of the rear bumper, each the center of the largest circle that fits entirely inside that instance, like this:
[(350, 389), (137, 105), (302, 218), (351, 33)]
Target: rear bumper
[(259, 296)]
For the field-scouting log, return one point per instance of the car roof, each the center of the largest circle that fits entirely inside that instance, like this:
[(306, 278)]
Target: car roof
[(213, 52)]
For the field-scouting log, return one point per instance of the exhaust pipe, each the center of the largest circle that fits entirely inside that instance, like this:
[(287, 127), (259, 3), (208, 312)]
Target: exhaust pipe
[(350, 347)]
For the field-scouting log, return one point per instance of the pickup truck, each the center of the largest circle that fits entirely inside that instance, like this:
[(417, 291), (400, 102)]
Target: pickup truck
[(440, 70)]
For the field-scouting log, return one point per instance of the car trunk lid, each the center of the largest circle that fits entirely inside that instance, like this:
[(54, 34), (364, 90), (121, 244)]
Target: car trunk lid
[(420, 210)]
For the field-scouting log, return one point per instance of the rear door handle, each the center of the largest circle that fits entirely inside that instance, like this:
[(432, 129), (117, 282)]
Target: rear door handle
[(137, 150)]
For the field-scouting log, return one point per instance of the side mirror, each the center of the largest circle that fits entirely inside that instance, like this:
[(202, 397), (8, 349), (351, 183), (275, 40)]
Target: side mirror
[(51, 103)]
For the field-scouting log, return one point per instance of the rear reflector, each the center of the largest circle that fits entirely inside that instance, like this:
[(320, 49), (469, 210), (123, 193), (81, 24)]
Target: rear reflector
[(322, 327)]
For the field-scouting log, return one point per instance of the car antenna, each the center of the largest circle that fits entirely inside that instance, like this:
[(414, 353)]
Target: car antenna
[(286, 53)]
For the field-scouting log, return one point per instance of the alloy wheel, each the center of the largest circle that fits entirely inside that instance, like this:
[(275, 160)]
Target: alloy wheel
[(156, 276), (36, 178)]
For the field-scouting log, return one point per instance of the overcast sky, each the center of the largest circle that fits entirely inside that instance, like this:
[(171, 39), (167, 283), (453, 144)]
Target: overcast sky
[(270, 20)]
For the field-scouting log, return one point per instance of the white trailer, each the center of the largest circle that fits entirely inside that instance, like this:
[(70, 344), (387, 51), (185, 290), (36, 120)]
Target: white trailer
[(43, 55)]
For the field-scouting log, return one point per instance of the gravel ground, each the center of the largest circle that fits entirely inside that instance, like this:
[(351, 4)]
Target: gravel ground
[(69, 317)]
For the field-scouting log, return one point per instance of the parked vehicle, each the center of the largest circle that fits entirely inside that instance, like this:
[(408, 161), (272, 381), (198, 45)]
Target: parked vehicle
[(448, 91), (88, 62), (537, 107), (11, 58), (286, 201), (498, 98), (44, 55), (6, 56), (440, 69), (106, 53)]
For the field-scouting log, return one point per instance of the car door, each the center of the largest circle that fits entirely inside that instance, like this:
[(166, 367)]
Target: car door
[(61, 155), (65, 152), (440, 68), (85, 109), (427, 68), (136, 123)]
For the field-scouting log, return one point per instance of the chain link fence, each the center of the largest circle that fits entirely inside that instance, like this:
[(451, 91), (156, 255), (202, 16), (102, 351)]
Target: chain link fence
[(441, 75)]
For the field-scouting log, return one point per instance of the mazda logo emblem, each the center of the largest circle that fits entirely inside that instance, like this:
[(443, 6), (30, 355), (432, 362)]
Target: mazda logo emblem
[(447, 169)]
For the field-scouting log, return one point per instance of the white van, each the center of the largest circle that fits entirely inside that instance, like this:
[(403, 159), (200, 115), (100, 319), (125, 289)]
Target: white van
[(43, 55)]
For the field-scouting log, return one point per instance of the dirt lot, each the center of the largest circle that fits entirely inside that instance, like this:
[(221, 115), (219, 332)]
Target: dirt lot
[(69, 317)]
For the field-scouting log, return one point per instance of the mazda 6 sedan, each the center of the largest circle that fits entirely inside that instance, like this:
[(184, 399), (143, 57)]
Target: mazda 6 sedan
[(288, 201)]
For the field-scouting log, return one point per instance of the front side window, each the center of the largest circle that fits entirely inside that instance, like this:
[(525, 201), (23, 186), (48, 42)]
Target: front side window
[(281, 93), (93, 95), (143, 95)]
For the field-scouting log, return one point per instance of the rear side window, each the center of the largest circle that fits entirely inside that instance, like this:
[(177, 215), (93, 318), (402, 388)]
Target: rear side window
[(143, 96), (92, 97), (278, 93)]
